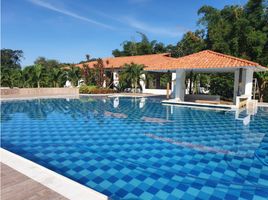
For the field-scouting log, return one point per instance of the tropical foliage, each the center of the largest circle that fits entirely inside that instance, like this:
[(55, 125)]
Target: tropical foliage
[(85, 89), (132, 75), (241, 31), (131, 48), (44, 72)]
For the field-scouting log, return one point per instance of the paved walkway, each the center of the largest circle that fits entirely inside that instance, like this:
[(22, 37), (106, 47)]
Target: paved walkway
[(16, 186)]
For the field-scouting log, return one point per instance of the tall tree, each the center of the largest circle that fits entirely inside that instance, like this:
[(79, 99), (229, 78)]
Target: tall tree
[(241, 31), (87, 57), (99, 72), (37, 72), (11, 58), (10, 67), (191, 42), (143, 47), (74, 74)]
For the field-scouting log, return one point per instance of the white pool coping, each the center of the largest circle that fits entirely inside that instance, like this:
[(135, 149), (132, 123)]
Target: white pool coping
[(60, 184), (194, 104), (198, 107)]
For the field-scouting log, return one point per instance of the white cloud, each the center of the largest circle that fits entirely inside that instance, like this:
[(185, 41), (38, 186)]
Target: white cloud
[(69, 13), (166, 31), (126, 20)]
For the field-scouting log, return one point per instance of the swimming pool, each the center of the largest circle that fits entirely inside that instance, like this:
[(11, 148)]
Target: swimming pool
[(136, 148)]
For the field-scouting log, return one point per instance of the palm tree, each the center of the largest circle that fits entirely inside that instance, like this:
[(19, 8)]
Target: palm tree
[(56, 75), (133, 73), (74, 74), (37, 72), (87, 57), (27, 76)]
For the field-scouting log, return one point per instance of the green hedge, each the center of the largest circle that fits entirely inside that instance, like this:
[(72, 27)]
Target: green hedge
[(84, 89)]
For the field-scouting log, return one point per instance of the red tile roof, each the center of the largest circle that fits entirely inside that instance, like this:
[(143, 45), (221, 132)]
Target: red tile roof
[(205, 60), (201, 60), (119, 62)]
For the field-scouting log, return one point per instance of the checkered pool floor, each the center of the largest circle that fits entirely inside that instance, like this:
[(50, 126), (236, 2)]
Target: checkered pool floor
[(132, 148)]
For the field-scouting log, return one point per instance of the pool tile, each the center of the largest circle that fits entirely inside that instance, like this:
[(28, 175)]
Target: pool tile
[(116, 157)]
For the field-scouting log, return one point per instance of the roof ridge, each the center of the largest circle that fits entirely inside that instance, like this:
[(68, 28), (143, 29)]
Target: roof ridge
[(168, 55), (153, 54), (223, 55), (231, 57), (192, 54)]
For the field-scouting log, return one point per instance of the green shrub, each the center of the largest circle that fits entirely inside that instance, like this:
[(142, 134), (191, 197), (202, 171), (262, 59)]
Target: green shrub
[(84, 89)]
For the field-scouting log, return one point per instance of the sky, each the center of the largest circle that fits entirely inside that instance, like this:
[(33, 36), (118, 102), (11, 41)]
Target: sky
[(67, 30)]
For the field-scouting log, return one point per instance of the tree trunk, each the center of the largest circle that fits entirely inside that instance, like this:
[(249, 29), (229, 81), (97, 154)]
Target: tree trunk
[(38, 84), (261, 91), (261, 97)]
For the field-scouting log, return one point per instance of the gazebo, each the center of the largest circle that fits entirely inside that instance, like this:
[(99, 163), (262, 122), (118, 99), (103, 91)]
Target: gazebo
[(208, 62)]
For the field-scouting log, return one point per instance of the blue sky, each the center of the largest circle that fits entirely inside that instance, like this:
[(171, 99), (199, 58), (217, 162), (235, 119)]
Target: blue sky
[(66, 30)]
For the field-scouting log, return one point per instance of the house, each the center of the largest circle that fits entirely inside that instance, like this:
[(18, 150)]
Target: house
[(206, 61)]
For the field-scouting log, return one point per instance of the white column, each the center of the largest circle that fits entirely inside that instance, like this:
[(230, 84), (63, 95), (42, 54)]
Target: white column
[(115, 79), (180, 85), (142, 82), (236, 84), (247, 82), (173, 80), (104, 84), (104, 81)]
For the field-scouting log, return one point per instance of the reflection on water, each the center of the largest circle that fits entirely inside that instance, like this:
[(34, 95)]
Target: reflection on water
[(182, 124), (130, 134)]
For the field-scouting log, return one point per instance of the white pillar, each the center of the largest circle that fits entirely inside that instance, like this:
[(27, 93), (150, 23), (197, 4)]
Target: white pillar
[(173, 81), (236, 84), (180, 85), (104, 81), (247, 82), (104, 84), (115, 79), (142, 82)]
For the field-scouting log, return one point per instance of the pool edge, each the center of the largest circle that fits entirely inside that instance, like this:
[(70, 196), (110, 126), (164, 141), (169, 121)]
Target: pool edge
[(60, 184)]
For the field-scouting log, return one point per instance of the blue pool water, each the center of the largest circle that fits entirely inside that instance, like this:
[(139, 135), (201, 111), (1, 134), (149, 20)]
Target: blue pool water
[(132, 148)]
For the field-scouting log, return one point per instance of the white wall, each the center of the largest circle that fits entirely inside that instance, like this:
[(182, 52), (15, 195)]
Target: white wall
[(156, 91), (247, 82), (180, 85), (173, 83), (236, 84), (116, 78)]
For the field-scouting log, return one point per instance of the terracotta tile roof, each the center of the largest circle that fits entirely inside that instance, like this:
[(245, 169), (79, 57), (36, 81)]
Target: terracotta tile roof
[(206, 59), (201, 60), (119, 62)]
